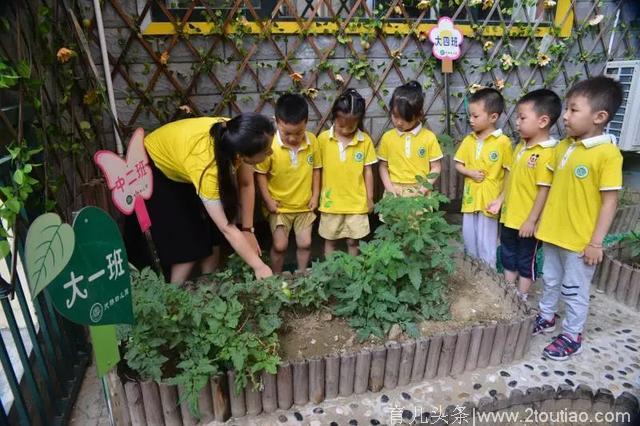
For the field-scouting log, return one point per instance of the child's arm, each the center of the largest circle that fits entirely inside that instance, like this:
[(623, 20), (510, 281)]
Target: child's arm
[(436, 168), (476, 175), (495, 206), (383, 169), (593, 250), (269, 202), (529, 226), (315, 191), (247, 201), (368, 183)]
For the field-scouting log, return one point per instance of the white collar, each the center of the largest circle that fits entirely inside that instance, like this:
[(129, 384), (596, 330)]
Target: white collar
[(414, 131), (358, 137), (550, 143), (598, 140), (496, 133), (282, 145)]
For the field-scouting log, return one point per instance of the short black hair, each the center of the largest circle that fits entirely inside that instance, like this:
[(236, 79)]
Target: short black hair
[(603, 94), (545, 102), (292, 108), (492, 99), (407, 101)]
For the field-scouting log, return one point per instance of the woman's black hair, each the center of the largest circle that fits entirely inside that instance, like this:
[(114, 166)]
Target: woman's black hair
[(350, 102), (407, 101), (246, 134)]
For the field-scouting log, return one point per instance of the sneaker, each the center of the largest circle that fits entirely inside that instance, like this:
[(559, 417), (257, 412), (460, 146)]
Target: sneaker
[(541, 325), (563, 347)]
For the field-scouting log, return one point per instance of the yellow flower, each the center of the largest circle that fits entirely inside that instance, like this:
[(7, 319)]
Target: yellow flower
[(595, 20), (186, 109), (424, 4), (499, 84), (549, 3), (365, 44), (543, 59), (396, 54), (473, 3), (64, 55), (423, 36), (295, 76), (339, 79), (507, 61), (487, 45), (475, 87), (397, 10), (487, 4), (164, 58), (312, 92), (91, 97)]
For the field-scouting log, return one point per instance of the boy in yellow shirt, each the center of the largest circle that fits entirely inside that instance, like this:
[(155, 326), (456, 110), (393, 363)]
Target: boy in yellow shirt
[(410, 149), (587, 175), (289, 181), (483, 158), (528, 186)]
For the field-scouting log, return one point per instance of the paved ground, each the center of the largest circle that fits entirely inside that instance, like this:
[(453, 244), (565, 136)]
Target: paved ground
[(610, 359)]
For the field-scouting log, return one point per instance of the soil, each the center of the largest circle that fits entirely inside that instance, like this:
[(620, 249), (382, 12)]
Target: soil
[(476, 298)]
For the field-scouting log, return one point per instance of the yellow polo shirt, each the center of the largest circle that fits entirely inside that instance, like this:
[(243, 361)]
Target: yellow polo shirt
[(183, 151), (409, 154), (290, 173), (493, 156), (581, 170), (343, 189), (528, 171)]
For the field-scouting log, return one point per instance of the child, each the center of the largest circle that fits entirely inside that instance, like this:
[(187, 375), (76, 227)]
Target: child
[(408, 150), (347, 154), (587, 175), (483, 158), (528, 186), (289, 181)]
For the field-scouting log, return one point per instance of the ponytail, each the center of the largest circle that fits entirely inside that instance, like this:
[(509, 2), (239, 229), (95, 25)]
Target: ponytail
[(350, 102), (246, 134)]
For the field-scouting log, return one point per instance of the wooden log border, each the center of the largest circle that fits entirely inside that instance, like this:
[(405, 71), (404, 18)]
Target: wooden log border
[(618, 280), (394, 365)]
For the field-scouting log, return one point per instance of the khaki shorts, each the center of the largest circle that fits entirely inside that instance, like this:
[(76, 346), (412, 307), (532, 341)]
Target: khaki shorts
[(297, 221), (408, 189), (338, 226)]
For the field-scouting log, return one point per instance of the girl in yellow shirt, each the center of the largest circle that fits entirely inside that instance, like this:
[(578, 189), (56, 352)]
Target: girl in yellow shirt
[(202, 170)]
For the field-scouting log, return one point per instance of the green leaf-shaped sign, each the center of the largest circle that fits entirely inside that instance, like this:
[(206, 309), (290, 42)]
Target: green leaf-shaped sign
[(49, 248), (95, 287)]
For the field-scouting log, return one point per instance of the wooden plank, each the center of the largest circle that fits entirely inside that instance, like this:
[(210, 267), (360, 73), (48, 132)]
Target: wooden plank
[(363, 368), (135, 403), (118, 397), (420, 359), (461, 351), (488, 336), (152, 403), (431, 368), (284, 380), (612, 280), (300, 382), (633, 294), (474, 348), (604, 274), (378, 361), (512, 339), (316, 380), (253, 399), (170, 406), (498, 344), (187, 418), (524, 335), (236, 399), (332, 376), (392, 365), (220, 396), (446, 354), (623, 283), (406, 362), (269, 393), (347, 373)]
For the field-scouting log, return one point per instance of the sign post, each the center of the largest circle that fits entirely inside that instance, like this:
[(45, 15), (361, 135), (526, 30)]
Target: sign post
[(446, 40), (131, 183)]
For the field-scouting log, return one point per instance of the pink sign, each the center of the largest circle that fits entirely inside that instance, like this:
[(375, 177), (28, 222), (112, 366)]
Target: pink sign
[(127, 179), (446, 40)]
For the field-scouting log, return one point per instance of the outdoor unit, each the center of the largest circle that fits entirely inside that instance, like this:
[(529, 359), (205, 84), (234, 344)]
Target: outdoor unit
[(626, 123)]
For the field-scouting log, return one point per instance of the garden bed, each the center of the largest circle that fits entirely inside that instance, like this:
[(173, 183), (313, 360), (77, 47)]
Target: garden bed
[(473, 338), (617, 276)]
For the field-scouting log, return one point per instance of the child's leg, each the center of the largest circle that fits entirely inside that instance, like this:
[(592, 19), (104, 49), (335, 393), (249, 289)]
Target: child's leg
[(487, 239), (303, 247), (553, 275), (508, 253), (180, 272), (279, 248), (352, 247), (210, 264), (329, 247), (527, 251), (469, 230), (575, 293)]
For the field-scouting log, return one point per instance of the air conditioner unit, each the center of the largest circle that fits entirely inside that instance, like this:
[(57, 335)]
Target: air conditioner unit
[(625, 125)]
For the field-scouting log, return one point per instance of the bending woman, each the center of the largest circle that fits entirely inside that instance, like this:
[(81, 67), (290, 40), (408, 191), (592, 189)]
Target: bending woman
[(202, 172)]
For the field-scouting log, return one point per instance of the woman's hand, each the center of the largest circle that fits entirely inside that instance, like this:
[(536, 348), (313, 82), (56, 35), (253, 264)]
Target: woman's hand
[(263, 271), (253, 242)]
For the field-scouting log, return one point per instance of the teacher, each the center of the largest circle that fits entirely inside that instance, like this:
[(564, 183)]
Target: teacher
[(202, 172)]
